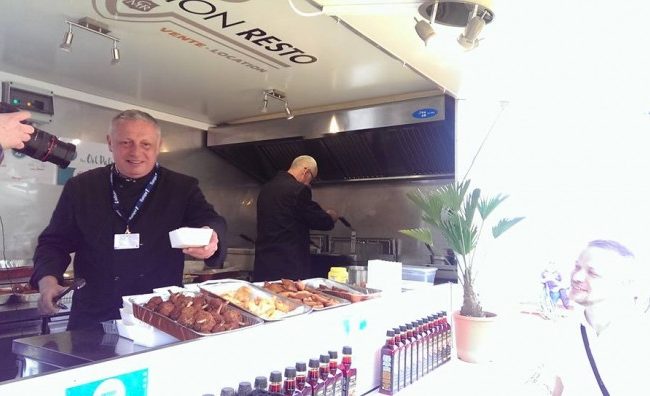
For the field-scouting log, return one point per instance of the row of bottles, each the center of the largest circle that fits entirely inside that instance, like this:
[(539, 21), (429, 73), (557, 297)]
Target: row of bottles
[(413, 350), (321, 377)]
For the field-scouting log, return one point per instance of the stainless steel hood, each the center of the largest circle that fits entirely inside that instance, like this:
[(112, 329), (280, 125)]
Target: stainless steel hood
[(410, 139)]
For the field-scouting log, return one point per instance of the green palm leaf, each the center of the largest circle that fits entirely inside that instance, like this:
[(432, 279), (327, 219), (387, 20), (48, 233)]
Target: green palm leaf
[(421, 234), (504, 225), (486, 206)]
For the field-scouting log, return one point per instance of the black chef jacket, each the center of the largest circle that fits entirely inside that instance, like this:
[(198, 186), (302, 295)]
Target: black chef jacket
[(85, 223), (285, 214)]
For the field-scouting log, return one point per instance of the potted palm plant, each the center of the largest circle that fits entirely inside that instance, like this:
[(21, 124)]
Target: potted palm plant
[(460, 215)]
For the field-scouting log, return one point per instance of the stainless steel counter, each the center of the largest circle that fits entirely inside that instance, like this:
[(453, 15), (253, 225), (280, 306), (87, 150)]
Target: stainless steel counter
[(45, 353)]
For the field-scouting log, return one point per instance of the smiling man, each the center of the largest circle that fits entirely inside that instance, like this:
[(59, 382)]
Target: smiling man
[(117, 219), (606, 352)]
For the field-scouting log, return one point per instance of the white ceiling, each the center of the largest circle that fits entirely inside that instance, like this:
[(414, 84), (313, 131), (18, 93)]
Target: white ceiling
[(367, 52)]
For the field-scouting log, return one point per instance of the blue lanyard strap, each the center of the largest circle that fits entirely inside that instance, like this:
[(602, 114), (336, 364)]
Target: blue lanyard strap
[(138, 204)]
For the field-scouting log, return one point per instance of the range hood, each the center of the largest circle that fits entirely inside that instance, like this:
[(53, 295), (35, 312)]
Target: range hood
[(410, 139)]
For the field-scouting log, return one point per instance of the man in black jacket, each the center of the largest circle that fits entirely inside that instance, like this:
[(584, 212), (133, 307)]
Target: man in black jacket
[(285, 214), (117, 220)]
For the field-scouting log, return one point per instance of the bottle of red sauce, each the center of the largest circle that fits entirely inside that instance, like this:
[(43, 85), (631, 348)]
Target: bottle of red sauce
[(336, 372), (313, 378), (406, 356), (289, 385), (389, 370), (399, 357), (302, 387), (417, 337), (349, 373), (447, 332), (428, 340), (324, 373), (275, 382), (414, 353)]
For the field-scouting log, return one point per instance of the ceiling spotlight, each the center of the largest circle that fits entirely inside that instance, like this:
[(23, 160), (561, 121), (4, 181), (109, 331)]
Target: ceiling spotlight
[(116, 54), (288, 111), (469, 38), (91, 26), (67, 40), (424, 29), (265, 103), (277, 95)]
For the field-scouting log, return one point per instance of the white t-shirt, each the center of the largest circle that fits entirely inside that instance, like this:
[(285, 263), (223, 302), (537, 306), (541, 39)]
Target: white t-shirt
[(621, 353)]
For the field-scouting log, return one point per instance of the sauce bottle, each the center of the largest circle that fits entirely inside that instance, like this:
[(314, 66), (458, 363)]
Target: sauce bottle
[(336, 372), (429, 342), (259, 386), (227, 391), (437, 342), (417, 338), (313, 378), (244, 389), (349, 373), (413, 362), (406, 356), (447, 332), (324, 373), (275, 383), (302, 387), (389, 370), (289, 386), (399, 357)]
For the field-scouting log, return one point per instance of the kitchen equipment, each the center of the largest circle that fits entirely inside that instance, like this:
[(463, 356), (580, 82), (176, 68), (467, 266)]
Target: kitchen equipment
[(352, 293), (358, 275), (419, 273)]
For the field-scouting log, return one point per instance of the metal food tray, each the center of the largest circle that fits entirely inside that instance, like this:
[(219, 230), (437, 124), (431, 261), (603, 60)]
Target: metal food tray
[(351, 293), (178, 330), (341, 301), (219, 287), (27, 297)]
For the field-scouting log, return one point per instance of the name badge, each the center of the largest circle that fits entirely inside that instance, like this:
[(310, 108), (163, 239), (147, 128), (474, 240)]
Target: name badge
[(126, 241)]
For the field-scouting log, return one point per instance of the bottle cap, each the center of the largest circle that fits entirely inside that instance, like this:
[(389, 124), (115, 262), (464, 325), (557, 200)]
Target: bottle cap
[(408, 326), (402, 328), (261, 382), (275, 376), (389, 333), (290, 372), (314, 363), (396, 330), (324, 358), (347, 350), (244, 389), (227, 391), (301, 366), (333, 354)]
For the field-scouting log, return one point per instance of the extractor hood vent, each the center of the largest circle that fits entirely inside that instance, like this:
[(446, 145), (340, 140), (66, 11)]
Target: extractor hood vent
[(419, 149)]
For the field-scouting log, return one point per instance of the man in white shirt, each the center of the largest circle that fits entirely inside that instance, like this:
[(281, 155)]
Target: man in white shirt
[(606, 351)]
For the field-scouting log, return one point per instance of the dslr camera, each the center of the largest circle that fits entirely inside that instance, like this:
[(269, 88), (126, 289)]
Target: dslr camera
[(44, 146)]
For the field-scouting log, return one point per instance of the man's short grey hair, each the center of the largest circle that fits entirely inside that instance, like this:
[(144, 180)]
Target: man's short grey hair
[(305, 161), (133, 115)]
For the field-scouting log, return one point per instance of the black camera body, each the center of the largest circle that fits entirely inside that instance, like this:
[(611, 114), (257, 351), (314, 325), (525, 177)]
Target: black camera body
[(44, 146)]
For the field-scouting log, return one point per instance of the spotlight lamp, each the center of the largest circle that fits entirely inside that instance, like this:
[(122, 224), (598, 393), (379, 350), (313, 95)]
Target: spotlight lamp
[(277, 95), (91, 26), (116, 54), (424, 29), (471, 15), (67, 40), (469, 38)]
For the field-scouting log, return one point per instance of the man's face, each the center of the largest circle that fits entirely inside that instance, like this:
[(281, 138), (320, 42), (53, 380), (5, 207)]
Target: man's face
[(135, 145), (597, 276)]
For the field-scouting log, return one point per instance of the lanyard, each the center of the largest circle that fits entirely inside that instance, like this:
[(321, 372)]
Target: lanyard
[(138, 203)]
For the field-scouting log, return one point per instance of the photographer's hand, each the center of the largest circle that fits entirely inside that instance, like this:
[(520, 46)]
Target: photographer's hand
[(13, 133)]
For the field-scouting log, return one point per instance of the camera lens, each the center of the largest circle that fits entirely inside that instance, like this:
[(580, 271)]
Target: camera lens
[(47, 147)]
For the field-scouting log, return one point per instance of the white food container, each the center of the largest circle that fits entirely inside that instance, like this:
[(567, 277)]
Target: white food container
[(185, 237)]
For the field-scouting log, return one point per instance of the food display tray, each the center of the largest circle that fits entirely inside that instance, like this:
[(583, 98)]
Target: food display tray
[(178, 330), (351, 293), (220, 287), (340, 301)]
